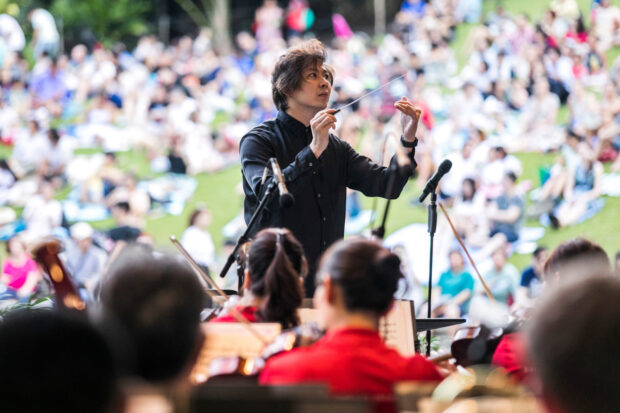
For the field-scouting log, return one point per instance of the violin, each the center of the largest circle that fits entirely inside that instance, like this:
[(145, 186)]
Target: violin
[(46, 255)]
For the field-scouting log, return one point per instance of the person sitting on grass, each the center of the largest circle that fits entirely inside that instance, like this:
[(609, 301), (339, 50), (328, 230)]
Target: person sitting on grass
[(454, 289)]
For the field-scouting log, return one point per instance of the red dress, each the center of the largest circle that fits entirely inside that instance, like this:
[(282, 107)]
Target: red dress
[(351, 361), (250, 314)]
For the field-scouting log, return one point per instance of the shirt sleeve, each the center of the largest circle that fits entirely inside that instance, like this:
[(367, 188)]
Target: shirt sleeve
[(255, 153), (372, 179), (469, 282)]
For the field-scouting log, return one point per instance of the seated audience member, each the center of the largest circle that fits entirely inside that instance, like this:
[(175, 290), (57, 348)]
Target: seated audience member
[(499, 164), (575, 258), (197, 240), (42, 213), (531, 278), (455, 288), (151, 311), (123, 231), (54, 362), (356, 282), (583, 187), (506, 212), (573, 342), (19, 272), (469, 211), (84, 259), (502, 278), (272, 288), (56, 159), (138, 200)]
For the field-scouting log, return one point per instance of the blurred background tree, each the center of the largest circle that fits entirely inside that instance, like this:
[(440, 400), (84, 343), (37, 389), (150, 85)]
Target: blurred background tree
[(103, 21)]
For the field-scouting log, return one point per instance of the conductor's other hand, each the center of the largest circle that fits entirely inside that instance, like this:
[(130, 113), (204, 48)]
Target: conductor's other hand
[(410, 116), (321, 124)]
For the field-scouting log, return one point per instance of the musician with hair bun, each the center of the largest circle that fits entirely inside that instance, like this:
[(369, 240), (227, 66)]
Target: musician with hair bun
[(275, 267), (355, 282)]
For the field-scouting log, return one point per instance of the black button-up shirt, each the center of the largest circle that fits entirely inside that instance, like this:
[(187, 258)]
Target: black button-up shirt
[(318, 185)]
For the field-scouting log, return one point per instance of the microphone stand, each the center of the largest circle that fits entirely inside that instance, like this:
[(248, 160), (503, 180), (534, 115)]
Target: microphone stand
[(379, 232), (432, 227), (245, 237)]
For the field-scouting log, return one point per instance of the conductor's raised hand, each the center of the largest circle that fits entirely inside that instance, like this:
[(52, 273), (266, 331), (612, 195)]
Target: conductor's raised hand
[(410, 116), (321, 124)]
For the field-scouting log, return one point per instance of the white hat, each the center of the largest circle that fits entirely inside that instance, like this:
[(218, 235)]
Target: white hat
[(81, 231)]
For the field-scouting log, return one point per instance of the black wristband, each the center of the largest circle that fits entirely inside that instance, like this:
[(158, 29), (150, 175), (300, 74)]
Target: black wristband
[(408, 144)]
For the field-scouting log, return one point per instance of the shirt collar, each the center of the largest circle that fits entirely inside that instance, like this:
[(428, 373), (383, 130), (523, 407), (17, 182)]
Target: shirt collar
[(349, 331), (292, 124)]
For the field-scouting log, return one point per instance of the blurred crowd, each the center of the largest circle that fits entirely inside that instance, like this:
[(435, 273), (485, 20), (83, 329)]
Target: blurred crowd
[(66, 118), (69, 114)]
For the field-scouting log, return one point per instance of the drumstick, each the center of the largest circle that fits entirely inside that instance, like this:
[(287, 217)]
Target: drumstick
[(471, 261)]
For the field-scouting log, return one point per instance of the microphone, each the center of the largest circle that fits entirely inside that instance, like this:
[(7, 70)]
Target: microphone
[(432, 183), (286, 199)]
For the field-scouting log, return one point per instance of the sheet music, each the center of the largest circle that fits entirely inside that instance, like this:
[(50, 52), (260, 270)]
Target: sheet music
[(230, 340), (398, 328)]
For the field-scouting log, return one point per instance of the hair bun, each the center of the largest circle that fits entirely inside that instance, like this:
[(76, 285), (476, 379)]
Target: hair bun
[(386, 272)]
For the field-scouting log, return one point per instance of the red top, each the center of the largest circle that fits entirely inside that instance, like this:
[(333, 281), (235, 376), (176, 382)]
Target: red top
[(250, 314), (510, 354), (351, 361)]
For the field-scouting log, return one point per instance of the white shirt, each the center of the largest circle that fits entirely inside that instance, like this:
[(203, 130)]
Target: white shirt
[(199, 245), (42, 217), (30, 151), (45, 25), (12, 33)]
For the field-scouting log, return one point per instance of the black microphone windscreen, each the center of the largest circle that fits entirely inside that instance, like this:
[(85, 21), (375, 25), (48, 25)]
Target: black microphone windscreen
[(287, 200), (445, 166)]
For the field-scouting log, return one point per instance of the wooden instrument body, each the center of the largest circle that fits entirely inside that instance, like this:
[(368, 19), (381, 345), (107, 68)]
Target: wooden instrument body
[(46, 255)]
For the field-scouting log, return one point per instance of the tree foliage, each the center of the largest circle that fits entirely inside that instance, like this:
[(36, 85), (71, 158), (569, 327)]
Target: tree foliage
[(105, 21)]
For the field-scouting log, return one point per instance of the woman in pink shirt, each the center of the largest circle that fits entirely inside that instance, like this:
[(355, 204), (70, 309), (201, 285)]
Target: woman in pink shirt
[(19, 271)]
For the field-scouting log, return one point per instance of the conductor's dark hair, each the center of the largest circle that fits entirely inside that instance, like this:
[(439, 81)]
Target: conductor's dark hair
[(287, 75), (54, 362), (573, 340), (277, 264), (151, 306), (366, 272), (577, 256)]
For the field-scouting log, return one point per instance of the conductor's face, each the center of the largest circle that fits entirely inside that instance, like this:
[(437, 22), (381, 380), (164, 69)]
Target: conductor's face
[(315, 88)]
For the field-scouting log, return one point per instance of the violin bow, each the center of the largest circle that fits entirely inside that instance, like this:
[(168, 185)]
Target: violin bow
[(471, 261), (207, 280)]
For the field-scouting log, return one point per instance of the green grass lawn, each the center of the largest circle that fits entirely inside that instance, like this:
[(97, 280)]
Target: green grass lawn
[(218, 192)]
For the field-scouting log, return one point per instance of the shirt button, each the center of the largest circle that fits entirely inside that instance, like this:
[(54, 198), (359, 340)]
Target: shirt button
[(310, 164), (318, 196), (324, 243), (324, 219)]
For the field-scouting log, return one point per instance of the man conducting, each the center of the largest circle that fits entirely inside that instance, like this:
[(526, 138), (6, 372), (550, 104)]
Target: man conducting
[(316, 165)]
